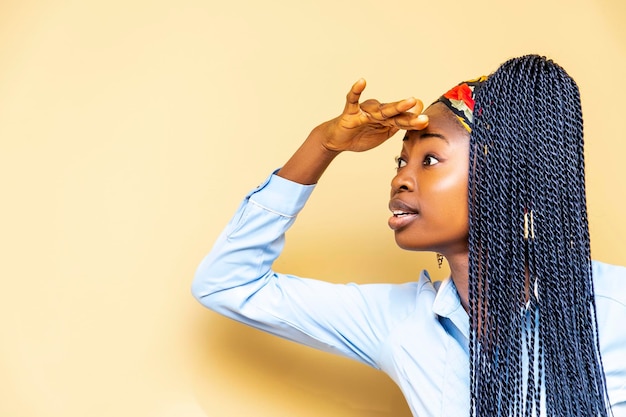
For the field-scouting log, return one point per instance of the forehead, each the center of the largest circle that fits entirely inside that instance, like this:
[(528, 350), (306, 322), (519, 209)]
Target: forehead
[(441, 121), (440, 116)]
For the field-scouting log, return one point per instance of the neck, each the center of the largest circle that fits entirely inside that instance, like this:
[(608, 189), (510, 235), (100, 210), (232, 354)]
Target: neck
[(459, 272)]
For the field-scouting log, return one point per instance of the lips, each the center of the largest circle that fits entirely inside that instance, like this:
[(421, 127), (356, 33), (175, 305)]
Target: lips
[(403, 214)]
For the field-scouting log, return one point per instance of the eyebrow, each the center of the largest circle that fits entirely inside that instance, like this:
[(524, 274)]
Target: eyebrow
[(427, 135)]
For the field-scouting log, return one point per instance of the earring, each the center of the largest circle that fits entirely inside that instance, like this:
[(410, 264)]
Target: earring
[(439, 260)]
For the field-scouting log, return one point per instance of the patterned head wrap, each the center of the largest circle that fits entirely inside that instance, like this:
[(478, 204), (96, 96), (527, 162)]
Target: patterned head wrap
[(460, 100)]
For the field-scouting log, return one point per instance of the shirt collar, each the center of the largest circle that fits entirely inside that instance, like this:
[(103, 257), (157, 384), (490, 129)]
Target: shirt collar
[(448, 304)]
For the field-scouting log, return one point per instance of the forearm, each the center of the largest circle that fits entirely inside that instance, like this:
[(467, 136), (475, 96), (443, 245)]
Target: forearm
[(309, 162)]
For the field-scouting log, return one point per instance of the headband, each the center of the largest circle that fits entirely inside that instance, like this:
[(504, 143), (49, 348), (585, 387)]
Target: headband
[(460, 100)]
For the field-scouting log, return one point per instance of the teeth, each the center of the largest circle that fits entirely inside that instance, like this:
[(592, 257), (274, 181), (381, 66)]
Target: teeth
[(399, 213)]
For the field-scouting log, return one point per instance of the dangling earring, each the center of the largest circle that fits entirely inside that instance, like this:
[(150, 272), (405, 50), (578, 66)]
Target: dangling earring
[(439, 260)]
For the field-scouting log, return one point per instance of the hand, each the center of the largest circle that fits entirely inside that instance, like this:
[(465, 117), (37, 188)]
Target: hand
[(366, 125), (360, 127)]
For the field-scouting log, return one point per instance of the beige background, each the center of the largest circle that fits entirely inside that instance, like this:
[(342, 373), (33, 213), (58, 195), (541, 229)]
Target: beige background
[(129, 131)]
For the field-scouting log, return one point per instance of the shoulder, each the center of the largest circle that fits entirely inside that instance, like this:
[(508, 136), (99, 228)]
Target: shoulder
[(404, 296), (609, 282), (610, 296)]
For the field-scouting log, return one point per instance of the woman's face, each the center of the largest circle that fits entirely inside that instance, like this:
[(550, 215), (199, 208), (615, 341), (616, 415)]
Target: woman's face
[(429, 196)]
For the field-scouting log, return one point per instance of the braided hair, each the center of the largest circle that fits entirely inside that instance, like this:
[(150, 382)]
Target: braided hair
[(534, 338)]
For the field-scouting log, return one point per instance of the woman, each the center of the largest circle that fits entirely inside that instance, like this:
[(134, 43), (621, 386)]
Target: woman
[(491, 177)]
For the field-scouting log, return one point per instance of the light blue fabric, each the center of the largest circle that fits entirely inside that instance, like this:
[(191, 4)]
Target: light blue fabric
[(416, 334)]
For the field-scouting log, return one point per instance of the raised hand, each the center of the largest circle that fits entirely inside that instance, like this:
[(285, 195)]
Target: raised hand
[(360, 127), (363, 126)]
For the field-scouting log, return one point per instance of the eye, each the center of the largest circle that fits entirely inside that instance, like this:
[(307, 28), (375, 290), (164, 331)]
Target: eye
[(430, 160), (400, 162)]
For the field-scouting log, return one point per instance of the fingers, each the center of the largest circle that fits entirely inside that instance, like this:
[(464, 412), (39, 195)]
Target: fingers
[(388, 110), (411, 121), (403, 114), (352, 99)]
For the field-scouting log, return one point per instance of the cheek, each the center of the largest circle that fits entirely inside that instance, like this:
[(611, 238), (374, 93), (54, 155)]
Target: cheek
[(452, 196), (453, 184)]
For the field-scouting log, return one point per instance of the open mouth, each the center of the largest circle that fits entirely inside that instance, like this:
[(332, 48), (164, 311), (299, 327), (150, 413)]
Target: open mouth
[(399, 213), (401, 218)]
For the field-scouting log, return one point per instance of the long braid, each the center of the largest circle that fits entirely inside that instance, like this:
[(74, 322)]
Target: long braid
[(534, 340)]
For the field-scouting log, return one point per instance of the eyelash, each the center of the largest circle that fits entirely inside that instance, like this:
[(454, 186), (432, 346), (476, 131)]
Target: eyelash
[(399, 160), (428, 157)]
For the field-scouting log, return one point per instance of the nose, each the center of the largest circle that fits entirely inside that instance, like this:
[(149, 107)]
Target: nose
[(404, 180)]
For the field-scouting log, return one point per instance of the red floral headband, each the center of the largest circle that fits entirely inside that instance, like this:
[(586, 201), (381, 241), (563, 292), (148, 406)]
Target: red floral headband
[(460, 100)]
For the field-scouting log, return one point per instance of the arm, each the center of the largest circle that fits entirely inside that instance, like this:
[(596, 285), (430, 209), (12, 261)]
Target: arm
[(236, 278)]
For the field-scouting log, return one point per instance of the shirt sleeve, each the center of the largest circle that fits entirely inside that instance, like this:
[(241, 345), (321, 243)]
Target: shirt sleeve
[(236, 280)]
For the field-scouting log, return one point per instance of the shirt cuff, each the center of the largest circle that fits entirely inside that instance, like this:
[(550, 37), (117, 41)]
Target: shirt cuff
[(281, 195)]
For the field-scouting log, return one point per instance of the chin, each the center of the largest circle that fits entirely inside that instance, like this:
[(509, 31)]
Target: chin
[(412, 246)]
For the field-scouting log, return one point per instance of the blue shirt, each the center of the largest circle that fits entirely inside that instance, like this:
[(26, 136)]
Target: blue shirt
[(414, 332)]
